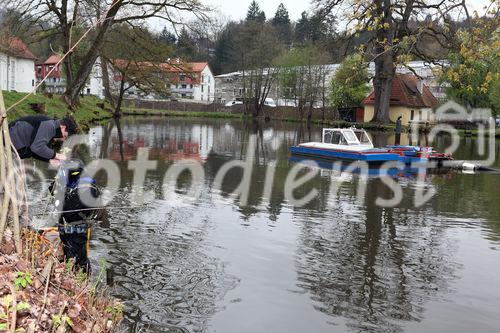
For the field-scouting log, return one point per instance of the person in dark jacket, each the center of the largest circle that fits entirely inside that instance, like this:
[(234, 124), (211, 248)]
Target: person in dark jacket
[(32, 135), (398, 131)]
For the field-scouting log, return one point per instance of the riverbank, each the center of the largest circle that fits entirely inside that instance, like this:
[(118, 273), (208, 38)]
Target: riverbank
[(91, 109), (40, 293), (238, 115)]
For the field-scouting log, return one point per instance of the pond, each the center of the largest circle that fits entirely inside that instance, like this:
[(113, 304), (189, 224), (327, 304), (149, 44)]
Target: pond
[(341, 262)]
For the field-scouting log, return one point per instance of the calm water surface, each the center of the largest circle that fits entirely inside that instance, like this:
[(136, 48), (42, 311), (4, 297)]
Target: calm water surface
[(338, 264)]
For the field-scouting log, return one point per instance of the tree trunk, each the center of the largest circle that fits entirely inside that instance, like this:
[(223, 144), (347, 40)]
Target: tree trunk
[(105, 82), (66, 32), (73, 90), (384, 73), (384, 62), (118, 108)]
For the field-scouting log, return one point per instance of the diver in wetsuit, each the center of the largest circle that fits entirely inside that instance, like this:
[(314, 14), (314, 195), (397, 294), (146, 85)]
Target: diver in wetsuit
[(72, 191)]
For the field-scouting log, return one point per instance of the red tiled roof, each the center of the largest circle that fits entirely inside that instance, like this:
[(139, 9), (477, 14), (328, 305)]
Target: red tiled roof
[(16, 47), (198, 66), (53, 59), (404, 92), (191, 69)]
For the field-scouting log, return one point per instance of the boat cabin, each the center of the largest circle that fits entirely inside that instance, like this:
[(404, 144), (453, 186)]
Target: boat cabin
[(347, 137)]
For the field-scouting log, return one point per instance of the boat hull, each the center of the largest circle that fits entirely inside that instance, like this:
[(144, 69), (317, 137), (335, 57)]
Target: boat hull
[(372, 156)]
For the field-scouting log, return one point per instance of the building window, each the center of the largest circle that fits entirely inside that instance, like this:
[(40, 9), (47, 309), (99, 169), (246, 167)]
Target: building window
[(184, 86), (88, 91), (412, 114), (191, 86), (201, 88), (182, 77)]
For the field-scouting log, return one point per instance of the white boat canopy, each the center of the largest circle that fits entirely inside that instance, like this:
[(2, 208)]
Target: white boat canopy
[(347, 137)]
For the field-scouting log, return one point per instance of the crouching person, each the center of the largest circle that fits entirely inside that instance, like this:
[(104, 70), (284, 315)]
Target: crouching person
[(77, 201)]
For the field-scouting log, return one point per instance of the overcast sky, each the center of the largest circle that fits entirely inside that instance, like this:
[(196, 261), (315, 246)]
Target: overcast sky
[(237, 9)]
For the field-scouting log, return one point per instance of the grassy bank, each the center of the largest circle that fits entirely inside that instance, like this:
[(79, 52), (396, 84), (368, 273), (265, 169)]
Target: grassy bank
[(55, 107), (170, 113), (221, 114)]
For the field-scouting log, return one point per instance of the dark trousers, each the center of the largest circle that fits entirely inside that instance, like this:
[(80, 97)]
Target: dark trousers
[(75, 247), (397, 141)]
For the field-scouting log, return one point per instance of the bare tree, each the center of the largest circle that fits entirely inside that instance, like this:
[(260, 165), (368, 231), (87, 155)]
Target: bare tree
[(259, 48), (144, 67), (394, 34), (303, 78), (92, 19)]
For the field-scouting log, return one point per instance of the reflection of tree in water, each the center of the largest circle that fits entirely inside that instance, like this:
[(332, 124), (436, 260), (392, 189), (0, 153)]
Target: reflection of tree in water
[(374, 266)]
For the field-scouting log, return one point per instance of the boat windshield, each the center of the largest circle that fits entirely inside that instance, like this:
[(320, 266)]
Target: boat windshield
[(350, 137), (334, 137), (362, 137)]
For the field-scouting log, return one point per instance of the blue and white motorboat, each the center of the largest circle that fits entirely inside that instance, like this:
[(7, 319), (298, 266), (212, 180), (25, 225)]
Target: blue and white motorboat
[(354, 144)]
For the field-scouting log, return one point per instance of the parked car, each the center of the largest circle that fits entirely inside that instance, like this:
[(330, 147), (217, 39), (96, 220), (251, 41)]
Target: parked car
[(497, 121), (231, 103), (269, 102)]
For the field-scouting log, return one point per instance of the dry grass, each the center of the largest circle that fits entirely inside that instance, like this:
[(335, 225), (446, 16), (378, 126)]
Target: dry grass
[(40, 293)]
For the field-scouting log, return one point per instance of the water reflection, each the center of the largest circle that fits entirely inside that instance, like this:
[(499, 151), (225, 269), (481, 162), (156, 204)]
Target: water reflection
[(190, 267), (367, 264)]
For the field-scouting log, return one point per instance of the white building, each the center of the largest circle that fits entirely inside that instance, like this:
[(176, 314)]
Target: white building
[(17, 66), (192, 81), (94, 85), (197, 83), (229, 86)]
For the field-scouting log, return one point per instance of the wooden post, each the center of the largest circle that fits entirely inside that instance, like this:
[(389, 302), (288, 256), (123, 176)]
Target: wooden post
[(8, 179), (5, 199)]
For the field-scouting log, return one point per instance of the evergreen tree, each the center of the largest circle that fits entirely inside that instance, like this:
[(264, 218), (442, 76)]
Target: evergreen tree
[(281, 21), (302, 29), (310, 29), (167, 37), (186, 46), (281, 16), (255, 14), (223, 50)]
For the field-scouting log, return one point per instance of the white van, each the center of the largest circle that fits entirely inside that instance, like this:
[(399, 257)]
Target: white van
[(269, 102)]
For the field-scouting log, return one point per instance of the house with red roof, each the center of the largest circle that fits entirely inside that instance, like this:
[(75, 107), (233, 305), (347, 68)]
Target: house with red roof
[(51, 70), (17, 65), (191, 81), (410, 98)]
